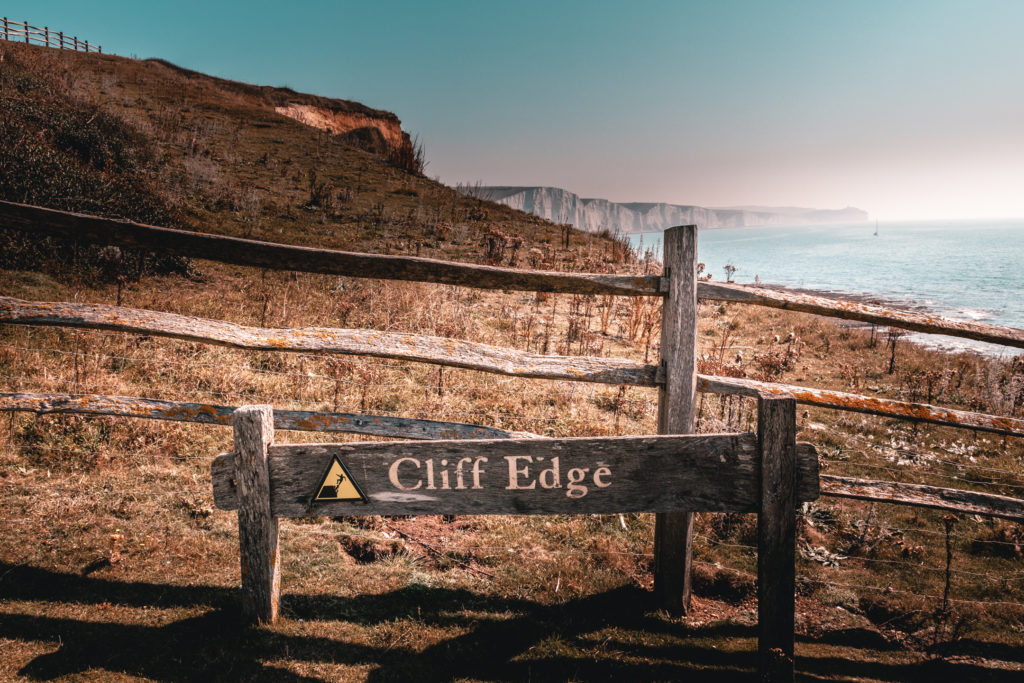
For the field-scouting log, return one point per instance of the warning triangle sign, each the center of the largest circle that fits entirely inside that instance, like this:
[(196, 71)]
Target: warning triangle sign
[(337, 485)]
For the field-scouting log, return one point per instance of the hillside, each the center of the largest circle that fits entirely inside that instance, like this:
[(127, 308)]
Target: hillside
[(595, 215), (156, 143), (115, 565)]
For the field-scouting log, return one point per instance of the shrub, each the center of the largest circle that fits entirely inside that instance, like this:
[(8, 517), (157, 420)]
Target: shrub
[(410, 155)]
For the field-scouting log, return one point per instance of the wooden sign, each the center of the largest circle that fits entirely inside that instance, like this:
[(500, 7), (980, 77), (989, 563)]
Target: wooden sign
[(714, 473), (769, 474)]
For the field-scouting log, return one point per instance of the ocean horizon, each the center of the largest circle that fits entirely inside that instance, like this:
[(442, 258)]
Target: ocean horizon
[(963, 269)]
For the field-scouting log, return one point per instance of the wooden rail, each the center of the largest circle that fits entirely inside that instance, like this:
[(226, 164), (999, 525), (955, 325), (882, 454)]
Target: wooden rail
[(838, 400), (244, 252), (9, 30), (412, 347), (919, 495), (202, 413), (850, 310), (258, 254), (471, 355)]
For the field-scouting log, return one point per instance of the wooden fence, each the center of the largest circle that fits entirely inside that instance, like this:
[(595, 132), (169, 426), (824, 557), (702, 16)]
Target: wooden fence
[(34, 35), (237, 251), (675, 375)]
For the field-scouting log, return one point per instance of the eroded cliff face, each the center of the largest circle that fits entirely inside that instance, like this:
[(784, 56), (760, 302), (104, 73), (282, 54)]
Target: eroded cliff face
[(338, 122), (562, 206)]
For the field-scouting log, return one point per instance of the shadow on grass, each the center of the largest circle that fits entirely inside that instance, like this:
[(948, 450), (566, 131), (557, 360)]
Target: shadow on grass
[(499, 639)]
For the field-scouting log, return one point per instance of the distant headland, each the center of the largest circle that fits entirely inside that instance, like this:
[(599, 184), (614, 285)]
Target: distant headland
[(562, 206)]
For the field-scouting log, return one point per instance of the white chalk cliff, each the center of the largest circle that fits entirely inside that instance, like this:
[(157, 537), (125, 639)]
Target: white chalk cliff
[(562, 206)]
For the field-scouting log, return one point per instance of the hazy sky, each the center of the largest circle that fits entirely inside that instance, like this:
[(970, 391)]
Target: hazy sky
[(905, 108)]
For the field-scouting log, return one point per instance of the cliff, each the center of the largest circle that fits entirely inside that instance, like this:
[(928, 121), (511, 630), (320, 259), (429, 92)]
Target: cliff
[(388, 128), (562, 206), (373, 130)]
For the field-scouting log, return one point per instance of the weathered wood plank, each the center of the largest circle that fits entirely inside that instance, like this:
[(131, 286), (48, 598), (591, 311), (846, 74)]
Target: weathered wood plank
[(298, 420), (257, 526), (673, 531), (776, 537), (469, 354), (918, 412), (920, 495), (851, 310), (412, 347), (715, 472), (38, 220), (244, 252)]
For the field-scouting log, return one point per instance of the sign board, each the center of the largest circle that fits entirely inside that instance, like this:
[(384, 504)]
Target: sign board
[(706, 472)]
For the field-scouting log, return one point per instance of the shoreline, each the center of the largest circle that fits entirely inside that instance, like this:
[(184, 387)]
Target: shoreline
[(945, 343), (925, 267)]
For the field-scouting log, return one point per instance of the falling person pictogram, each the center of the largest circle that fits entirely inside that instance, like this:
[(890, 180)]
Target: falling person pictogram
[(337, 485)]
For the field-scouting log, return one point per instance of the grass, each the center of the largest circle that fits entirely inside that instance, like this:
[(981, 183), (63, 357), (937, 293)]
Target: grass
[(114, 565)]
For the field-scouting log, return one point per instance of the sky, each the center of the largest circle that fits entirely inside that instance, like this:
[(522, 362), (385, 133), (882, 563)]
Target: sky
[(909, 109)]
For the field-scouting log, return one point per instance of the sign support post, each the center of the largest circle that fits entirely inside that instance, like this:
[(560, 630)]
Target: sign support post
[(776, 536), (257, 527)]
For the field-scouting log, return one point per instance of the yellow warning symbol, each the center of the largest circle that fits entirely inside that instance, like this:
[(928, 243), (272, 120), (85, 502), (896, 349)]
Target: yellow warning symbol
[(337, 485)]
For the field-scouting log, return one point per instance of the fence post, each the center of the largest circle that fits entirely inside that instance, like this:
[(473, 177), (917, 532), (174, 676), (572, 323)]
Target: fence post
[(776, 536), (60, 35), (257, 528), (25, 25), (46, 33), (673, 531), (76, 43)]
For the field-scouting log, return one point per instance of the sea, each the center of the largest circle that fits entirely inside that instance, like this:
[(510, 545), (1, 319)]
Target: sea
[(968, 270)]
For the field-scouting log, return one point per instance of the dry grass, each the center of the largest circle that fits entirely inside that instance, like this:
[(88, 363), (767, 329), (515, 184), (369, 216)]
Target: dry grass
[(114, 565)]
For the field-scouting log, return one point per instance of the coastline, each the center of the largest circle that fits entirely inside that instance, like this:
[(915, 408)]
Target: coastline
[(925, 267), (947, 344)]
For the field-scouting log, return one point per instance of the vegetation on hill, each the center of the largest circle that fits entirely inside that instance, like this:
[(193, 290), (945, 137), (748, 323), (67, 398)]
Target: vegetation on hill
[(114, 565), (64, 152)]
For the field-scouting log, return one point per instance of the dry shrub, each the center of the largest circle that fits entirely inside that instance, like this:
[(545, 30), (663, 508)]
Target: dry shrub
[(735, 527), (410, 155), (901, 612), (1002, 539), (322, 194), (62, 442), (723, 583), (494, 242), (364, 549)]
